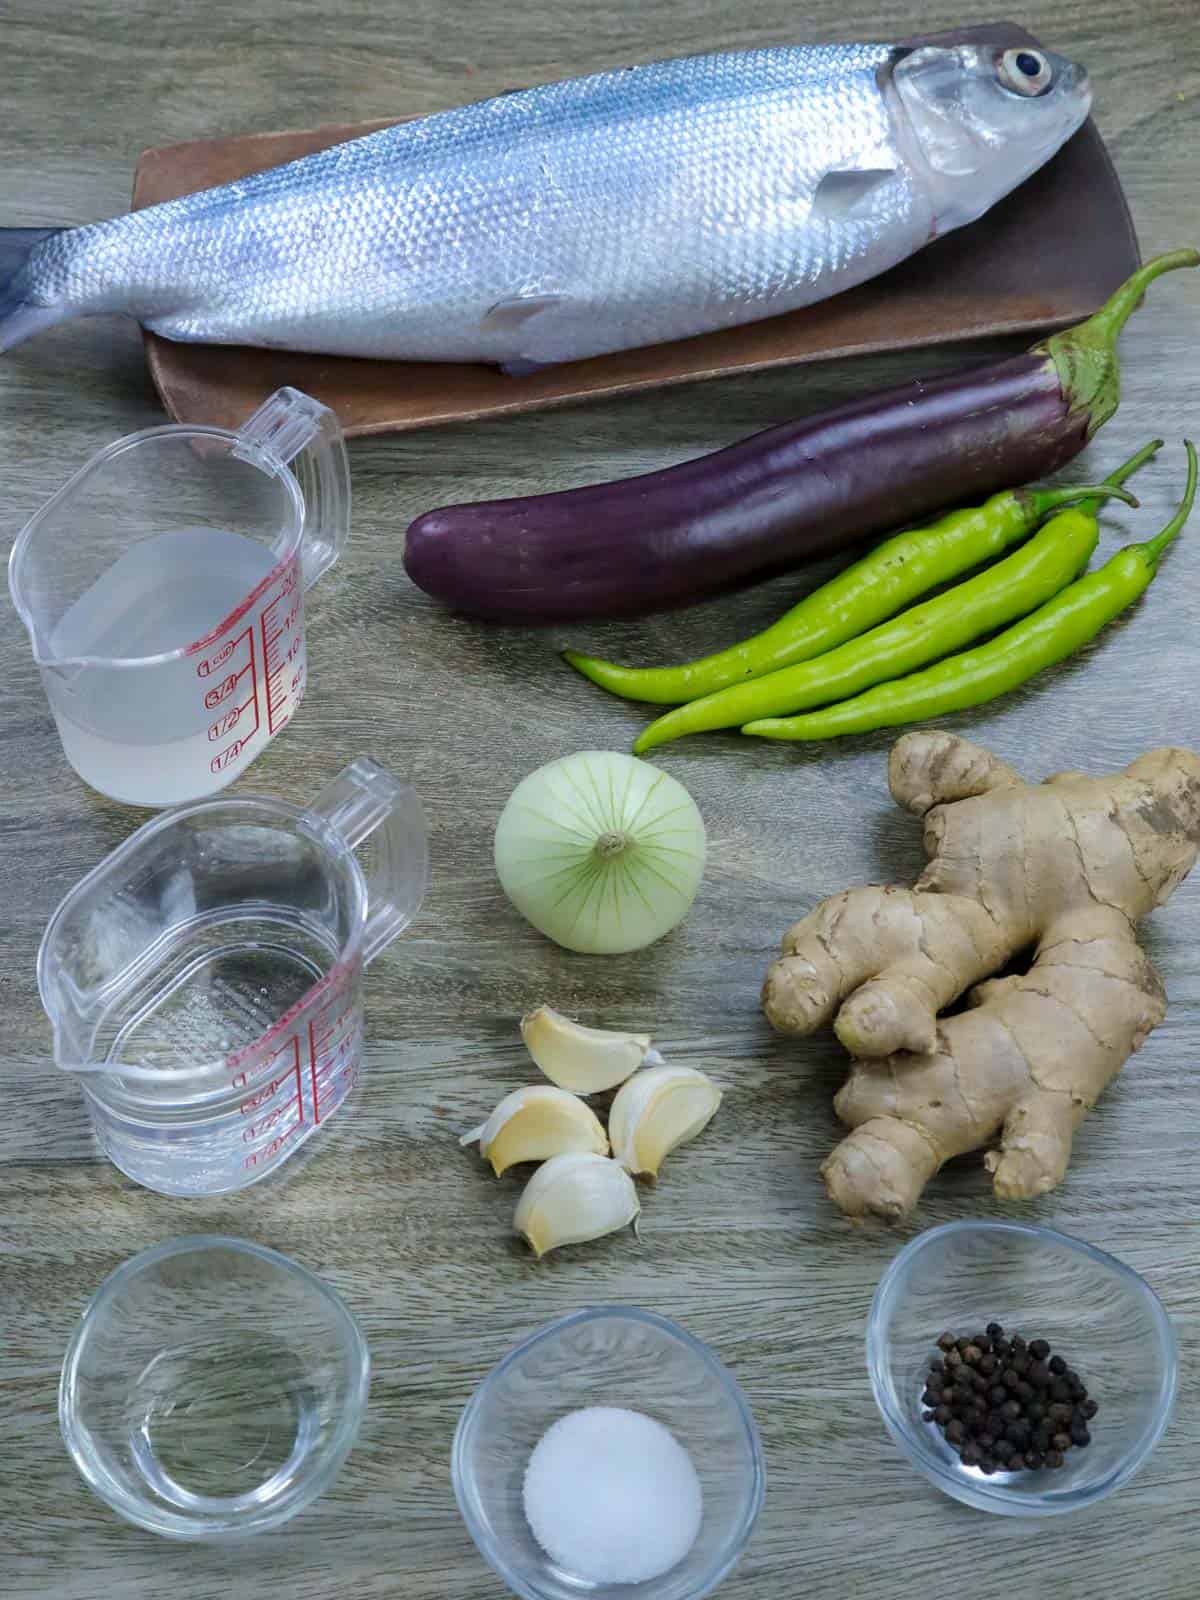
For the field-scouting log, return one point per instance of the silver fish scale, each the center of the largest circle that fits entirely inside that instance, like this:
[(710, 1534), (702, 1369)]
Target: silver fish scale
[(597, 214)]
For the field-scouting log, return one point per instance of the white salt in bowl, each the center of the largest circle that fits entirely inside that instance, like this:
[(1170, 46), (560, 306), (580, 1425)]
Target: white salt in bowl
[(607, 1356)]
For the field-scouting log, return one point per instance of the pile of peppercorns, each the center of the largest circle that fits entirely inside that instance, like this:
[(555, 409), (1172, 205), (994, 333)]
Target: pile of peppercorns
[(1005, 1405)]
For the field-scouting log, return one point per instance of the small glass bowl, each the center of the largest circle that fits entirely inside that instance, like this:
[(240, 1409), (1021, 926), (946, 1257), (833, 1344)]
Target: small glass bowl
[(212, 1389), (1096, 1312), (616, 1356)]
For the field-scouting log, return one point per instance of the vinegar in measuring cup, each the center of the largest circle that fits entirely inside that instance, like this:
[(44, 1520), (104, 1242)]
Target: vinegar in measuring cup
[(142, 735), (163, 591)]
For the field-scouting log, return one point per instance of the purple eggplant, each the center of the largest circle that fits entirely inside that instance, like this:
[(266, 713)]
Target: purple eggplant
[(783, 497)]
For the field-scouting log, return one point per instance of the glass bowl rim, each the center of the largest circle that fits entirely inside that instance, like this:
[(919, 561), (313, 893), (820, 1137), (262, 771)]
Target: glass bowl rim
[(465, 1492), (331, 1457), (996, 1496)]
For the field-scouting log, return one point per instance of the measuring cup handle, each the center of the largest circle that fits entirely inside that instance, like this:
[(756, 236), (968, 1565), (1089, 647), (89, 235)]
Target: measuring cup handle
[(293, 429), (365, 802)]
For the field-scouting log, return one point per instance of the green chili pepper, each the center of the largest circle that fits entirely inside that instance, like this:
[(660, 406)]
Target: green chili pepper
[(1048, 636), (1013, 588), (877, 586)]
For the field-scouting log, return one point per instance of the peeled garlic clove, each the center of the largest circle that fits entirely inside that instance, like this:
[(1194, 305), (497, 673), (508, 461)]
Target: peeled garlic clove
[(573, 1198), (583, 1059), (656, 1112), (534, 1124)]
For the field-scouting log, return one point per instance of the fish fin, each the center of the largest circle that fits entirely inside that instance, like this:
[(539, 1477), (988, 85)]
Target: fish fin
[(506, 316), (522, 320), (18, 319), (523, 369), (842, 192)]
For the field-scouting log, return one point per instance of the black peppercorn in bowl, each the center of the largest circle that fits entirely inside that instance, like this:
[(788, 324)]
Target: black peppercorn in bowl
[(979, 1328)]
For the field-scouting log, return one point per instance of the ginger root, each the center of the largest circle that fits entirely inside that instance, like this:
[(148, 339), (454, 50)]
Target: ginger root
[(1065, 869)]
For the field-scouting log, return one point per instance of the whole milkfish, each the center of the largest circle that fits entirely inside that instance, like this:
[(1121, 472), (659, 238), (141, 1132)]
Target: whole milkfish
[(606, 212)]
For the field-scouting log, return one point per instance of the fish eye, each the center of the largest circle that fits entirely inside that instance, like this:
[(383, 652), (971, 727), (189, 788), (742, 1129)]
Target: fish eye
[(1025, 72)]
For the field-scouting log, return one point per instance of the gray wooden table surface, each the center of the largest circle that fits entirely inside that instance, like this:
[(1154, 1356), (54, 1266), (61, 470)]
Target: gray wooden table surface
[(739, 1242)]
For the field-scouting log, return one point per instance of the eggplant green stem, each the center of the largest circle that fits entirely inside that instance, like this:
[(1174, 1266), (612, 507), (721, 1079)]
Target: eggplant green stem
[(1086, 355)]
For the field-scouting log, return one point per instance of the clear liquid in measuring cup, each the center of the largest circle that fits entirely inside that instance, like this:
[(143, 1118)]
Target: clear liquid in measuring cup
[(218, 995), (143, 733)]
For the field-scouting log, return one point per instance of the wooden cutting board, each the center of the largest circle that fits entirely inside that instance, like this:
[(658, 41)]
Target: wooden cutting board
[(1035, 262)]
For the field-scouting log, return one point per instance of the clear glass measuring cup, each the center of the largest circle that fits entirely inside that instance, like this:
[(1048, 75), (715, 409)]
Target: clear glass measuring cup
[(205, 980), (163, 592)]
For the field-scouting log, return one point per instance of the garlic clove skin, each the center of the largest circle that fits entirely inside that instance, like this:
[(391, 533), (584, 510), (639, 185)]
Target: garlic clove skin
[(535, 1123), (657, 1111), (573, 1198), (585, 1060)]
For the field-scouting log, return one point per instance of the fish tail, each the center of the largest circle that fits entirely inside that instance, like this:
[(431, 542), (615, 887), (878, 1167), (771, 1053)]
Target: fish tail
[(20, 318)]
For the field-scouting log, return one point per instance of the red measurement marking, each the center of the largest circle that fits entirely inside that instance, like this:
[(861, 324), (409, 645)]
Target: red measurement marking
[(333, 1044), (334, 985), (288, 567), (252, 1101), (214, 663), (228, 756), (273, 1149), (228, 684), (285, 1062), (282, 640), (255, 1130), (312, 1067), (229, 721)]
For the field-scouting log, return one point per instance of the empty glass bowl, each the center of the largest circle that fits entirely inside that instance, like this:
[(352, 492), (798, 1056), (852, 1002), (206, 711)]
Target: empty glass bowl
[(212, 1389), (1104, 1319), (614, 1356)]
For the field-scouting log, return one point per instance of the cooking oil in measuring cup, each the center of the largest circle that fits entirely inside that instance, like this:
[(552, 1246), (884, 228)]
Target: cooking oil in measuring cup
[(163, 593)]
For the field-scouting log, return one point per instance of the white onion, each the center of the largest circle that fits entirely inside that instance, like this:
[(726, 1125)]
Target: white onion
[(602, 852)]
